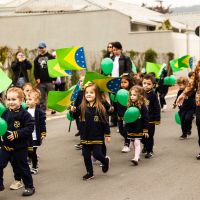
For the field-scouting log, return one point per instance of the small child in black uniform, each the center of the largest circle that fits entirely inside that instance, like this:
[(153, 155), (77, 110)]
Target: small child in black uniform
[(94, 128), (126, 83), (187, 109), (153, 106), (15, 141), (139, 128), (39, 132)]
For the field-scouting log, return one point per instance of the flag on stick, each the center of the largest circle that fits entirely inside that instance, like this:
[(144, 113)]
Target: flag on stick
[(5, 81)]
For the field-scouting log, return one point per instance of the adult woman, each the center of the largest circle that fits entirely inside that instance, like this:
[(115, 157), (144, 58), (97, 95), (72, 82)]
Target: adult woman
[(19, 68), (109, 51)]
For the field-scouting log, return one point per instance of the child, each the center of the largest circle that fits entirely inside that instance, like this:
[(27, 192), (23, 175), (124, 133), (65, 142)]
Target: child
[(139, 128), (187, 109), (15, 141), (153, 106), (39, 132), (126, 83), (93, 127)]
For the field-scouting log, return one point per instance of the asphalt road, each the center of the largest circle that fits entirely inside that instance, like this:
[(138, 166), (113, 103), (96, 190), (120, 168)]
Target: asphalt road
[(173, 173)]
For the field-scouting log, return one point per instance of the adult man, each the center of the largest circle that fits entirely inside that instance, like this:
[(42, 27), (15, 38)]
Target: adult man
[(44, 82)]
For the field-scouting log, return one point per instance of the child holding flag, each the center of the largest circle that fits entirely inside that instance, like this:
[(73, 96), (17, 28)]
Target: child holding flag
[(93, 128)]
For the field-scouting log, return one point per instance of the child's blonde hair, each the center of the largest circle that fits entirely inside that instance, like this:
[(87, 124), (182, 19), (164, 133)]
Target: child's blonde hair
[(141, 96), (182, 80), (98, 103), (27, 84), (17, 90), (36, 93)]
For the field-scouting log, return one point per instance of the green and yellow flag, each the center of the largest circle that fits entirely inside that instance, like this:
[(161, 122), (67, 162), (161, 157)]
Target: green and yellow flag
[(72, 58), (5, 81), (105, 83), (55, 70), (153, 67)]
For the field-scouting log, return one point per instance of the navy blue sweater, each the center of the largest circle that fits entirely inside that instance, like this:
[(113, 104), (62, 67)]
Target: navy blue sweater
[(21, 124)]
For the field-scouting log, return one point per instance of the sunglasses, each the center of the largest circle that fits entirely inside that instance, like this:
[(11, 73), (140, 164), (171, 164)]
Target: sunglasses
[(109, 47)]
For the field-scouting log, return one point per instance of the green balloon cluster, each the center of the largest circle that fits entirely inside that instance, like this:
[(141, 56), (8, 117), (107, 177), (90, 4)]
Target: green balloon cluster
[(69, 117), (177, 118), (24, 105), (131, 114), (122, 97), (170, 80), (107, 66), (2, 109), (3, 126), (113, 97)]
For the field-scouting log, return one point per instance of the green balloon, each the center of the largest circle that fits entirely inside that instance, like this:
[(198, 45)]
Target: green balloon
[(107, 66), (131, 114), (24, 105), (172, 80), (134, 69), (177, 118), (113, 97), (167, 80), (2, 109), (3, 126), (69, 117), (122, 97)]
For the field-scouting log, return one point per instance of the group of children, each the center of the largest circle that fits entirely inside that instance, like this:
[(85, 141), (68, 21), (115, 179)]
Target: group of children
[(25, 132)]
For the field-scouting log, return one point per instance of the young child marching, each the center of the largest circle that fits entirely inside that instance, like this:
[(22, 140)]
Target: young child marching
[(39, 132), (126, 83), (93, 127), (138, 129), (15, 141), (154, 110), (187, 109)]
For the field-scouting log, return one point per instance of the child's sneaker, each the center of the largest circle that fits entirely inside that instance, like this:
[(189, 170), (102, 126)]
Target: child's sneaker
[(28, 192), (78, 146), (198, 157), (2, 188), (183, 137), (125, 149), (16, 185), (135, 162), (149, 155), (106, 167), (34, 170), (88, 177)]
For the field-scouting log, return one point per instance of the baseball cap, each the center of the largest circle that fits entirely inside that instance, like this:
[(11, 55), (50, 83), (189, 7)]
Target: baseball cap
[(42, 45)]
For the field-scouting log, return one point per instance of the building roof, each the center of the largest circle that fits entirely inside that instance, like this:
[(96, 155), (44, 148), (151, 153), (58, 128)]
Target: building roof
[(137, 14)]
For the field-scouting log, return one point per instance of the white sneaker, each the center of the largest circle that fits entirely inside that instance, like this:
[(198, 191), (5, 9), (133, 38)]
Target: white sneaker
[(34, 170), (16, 185), (125, 149), (117, 130), (164, 107)]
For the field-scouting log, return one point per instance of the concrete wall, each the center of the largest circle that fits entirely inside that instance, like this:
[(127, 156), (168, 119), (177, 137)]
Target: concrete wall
[(93, 30)]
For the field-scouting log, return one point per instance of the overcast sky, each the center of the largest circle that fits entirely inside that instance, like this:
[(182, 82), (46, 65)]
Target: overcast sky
[(175, 3)]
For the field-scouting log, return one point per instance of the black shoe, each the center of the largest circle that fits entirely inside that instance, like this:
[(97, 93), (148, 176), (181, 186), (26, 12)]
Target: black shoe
[(106, 167), (53, 112), (135, 162), (198, 157), (2, 187), (28, 192), (149, 155), (88, 177), (78, 146), (77, 134), (189, 132), (182, 137)]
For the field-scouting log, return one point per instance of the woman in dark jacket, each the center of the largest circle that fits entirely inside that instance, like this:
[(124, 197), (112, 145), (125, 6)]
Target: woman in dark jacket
[(19, 68)]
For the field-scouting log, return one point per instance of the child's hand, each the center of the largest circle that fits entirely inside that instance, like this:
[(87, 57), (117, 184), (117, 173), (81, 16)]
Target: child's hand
[(72, 108), (107, 140), (146, 135), (11, 136)]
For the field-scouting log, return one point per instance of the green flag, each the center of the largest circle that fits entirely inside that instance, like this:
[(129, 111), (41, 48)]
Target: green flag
[(153, 67), (5, 81), (60, 100), (55, 70), (175, 66), (105, 83)]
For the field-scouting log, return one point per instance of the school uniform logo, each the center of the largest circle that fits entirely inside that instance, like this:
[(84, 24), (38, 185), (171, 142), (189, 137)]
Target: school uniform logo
[(96, 118), (16, 124)]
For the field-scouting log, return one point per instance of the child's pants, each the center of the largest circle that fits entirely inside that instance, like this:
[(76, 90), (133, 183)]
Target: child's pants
[(96, 151), (123, 132), (149, 142), (20, 159), (34, 157)]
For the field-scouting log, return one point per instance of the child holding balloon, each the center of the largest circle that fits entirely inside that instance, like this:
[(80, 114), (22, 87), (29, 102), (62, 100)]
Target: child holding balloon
[(187, 109), (15, 140), (153, 106), (122, 100), (93, 128), (137, 127)]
